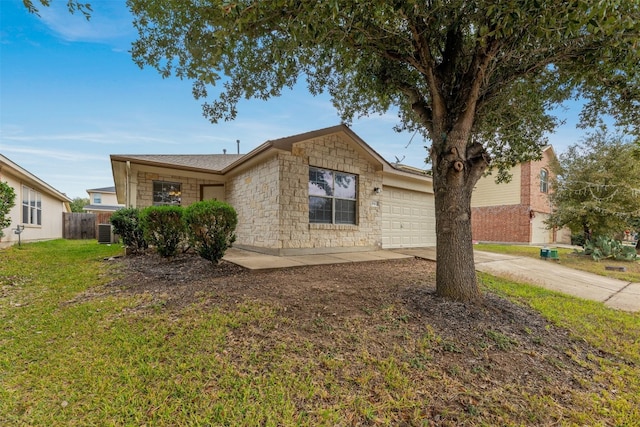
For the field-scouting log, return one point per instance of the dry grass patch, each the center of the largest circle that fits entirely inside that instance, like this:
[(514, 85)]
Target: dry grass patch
[(149, 341)]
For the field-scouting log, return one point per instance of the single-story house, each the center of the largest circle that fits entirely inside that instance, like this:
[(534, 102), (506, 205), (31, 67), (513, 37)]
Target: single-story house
[(38, 206), (515, 211), (102, 200), (318, 192)]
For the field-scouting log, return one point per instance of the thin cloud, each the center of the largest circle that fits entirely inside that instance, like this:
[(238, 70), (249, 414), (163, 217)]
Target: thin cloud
[(52, 154), (112, 138), (109, 21)]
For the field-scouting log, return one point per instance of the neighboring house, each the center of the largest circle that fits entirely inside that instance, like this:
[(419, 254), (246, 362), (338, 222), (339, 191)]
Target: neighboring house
[(102, 200), (515, 212), (38, 206), (319, 192)]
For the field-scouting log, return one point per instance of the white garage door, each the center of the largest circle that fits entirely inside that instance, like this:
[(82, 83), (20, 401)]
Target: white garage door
[(539, 232), (408, 218)]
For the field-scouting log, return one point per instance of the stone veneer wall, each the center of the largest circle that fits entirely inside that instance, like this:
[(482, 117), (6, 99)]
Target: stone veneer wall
[(255, 195), (334, 153), (190, 187), (272, 201)]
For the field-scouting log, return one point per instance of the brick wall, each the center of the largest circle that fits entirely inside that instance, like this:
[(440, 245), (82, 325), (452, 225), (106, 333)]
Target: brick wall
[(513, 222), (501, 223), (530, 184)]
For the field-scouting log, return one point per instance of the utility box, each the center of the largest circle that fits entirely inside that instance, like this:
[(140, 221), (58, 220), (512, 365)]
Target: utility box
[(105, 234), (549, 253)]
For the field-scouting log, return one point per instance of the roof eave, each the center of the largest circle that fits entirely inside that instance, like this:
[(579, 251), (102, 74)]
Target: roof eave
[(30, 178)]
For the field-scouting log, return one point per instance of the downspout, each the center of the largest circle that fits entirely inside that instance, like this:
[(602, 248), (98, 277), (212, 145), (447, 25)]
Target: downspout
[(127, 185)]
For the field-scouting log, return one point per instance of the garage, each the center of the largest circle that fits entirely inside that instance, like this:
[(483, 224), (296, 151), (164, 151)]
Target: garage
[(408, 218), (540, 234)]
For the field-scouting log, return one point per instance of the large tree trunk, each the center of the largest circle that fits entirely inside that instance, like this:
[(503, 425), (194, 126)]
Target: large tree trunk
[(455, 268), (456, 171)]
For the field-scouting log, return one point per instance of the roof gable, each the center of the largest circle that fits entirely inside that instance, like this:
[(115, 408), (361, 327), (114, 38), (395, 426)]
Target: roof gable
[(232, 163), (287, 143), (30, 179)]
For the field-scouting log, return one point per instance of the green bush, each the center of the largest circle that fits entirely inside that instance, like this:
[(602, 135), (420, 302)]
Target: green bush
[(7, 201), (126, 223), (210, 225), (603, 247), (578, 239), (164, 228)]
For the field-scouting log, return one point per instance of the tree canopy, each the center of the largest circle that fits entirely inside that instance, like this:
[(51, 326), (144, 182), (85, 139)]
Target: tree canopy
[(72, 5), (598, 186), (477, 78), (498, 66), (78, 203)]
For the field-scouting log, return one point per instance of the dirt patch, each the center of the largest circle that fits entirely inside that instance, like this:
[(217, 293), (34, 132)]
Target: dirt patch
[(488, 347)]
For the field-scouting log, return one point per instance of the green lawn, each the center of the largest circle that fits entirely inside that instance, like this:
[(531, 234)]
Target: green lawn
[(76, 354), (570, 258)]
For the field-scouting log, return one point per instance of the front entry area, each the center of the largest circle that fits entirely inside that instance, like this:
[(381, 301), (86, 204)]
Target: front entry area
[(212, 192)]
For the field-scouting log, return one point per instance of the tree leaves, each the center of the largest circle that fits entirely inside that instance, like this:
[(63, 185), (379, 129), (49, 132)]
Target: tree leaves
[(598, 185), (371, 55)]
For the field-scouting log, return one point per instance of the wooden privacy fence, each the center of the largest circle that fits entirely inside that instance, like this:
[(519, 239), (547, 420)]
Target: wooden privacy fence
[(78, 225), (83, 225)]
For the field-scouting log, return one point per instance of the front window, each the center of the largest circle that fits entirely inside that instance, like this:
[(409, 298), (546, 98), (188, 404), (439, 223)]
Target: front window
[(167, 193), (332, 197), (31, 206), (97, 198), (544, 181)]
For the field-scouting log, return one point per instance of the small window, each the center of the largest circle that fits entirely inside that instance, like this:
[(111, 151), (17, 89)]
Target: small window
[(544, 181), (332, 197), (31, 206), (97, 198), (167, 193)]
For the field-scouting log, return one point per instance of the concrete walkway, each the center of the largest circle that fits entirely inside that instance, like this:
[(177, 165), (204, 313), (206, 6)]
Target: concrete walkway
[(258, 261), (548, 274)]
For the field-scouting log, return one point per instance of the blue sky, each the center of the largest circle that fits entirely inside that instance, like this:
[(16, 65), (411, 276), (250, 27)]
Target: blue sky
[(70, 96)]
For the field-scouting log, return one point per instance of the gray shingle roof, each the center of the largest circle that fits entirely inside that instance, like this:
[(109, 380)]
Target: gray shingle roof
[(103, 190), (209, 162), (101, 208)]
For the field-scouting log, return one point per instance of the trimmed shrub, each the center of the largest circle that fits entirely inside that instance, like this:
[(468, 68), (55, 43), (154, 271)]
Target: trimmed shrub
[(163, 228), (211, 225), (126, 223)]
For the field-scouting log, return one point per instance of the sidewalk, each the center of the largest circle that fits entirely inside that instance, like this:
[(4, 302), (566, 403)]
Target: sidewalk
[(550, 275), (612, 292), (547, 274)]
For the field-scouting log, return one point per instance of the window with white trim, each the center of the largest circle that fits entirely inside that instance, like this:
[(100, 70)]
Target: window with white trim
[(97, 198), (31, 206), (332, 197), (167, 193), (544, 181)]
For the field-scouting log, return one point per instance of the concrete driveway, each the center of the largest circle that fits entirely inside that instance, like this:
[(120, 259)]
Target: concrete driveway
[(551, 275), (548, 274)]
